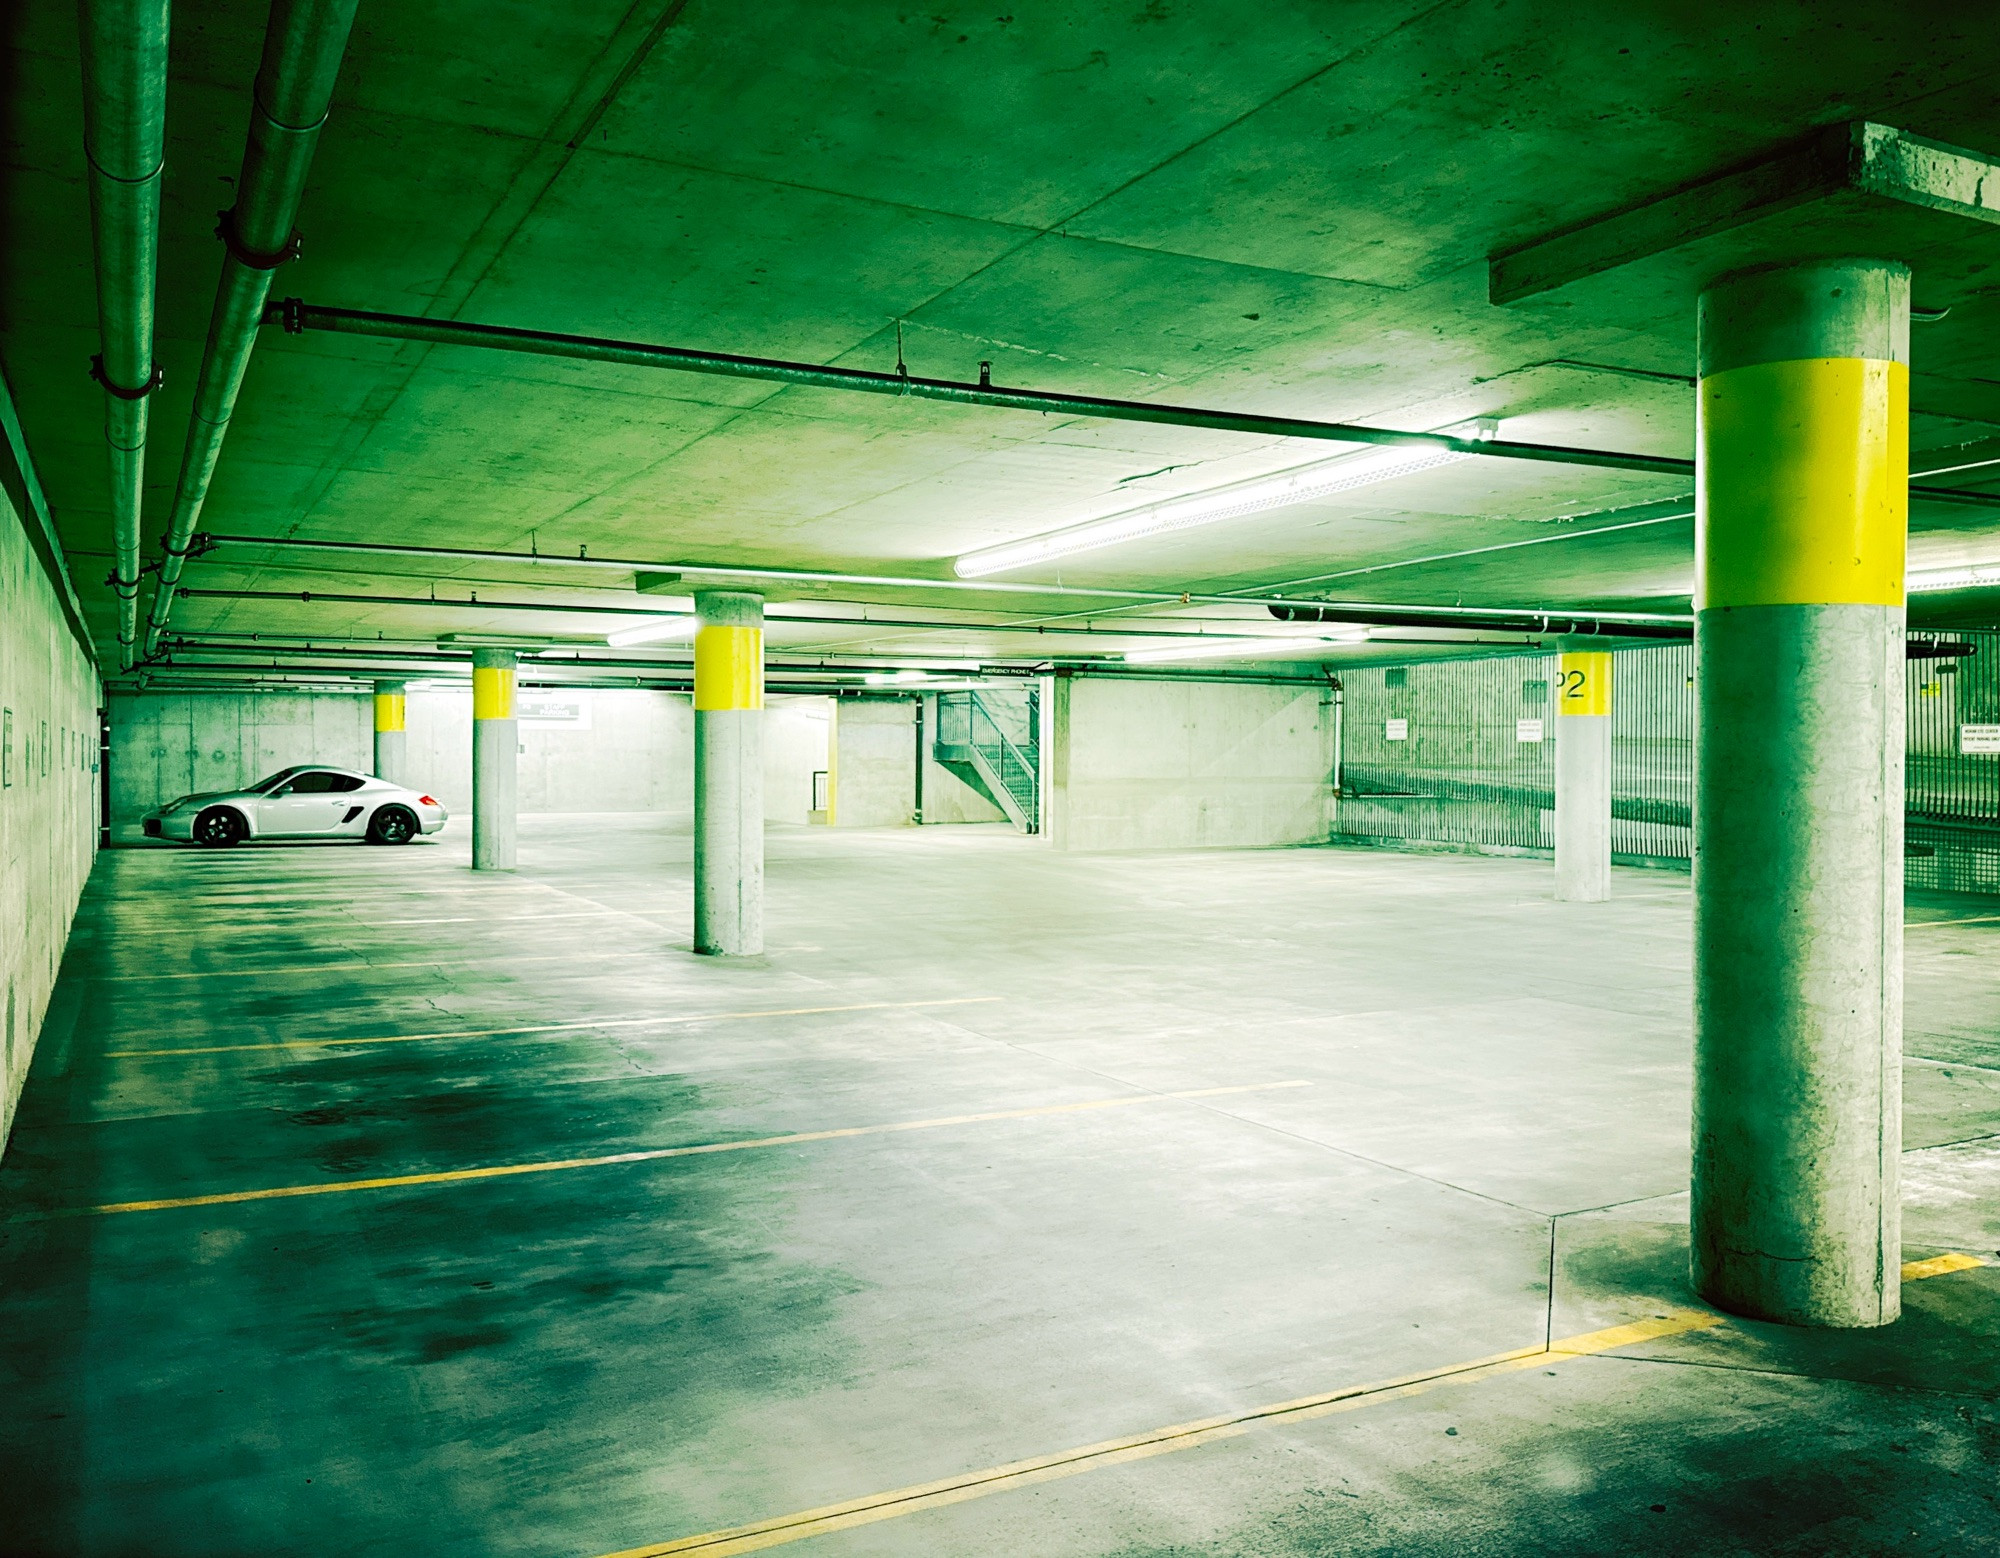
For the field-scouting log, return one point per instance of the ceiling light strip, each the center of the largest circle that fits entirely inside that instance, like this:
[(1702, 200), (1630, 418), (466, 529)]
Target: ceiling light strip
[(1259, 494), (1299, 646)]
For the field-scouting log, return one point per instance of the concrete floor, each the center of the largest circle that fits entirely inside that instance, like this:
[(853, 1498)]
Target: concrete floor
[(594, 1359)]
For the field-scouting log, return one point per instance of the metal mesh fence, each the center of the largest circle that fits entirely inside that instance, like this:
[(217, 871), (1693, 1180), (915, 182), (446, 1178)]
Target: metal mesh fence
[(1952, 779), (1435, 752), (1462, 753)]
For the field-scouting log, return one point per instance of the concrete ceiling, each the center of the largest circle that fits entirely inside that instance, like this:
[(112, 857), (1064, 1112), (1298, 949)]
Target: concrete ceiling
[(1284, 207)]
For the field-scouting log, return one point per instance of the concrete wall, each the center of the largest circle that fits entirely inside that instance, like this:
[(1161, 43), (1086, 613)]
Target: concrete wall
[(797, 732), (1178, 765), (48, 794), (948, 798), (629, 750), (874, 763), (438, 746), (165, 745)]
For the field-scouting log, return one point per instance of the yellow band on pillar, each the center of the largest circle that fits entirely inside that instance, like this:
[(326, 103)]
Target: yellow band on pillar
[(1803, 484), (388, 711), (1584, 683), (492, 692), (728, 667)]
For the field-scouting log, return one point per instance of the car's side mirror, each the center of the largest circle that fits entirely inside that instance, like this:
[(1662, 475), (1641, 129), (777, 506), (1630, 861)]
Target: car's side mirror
[(283, 789)]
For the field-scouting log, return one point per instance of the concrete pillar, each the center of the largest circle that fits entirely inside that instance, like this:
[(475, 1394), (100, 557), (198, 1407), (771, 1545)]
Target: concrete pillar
[(1803, 440), (391, 740), (496, 746), (729, 773), (1055, 760), (1583, 777)]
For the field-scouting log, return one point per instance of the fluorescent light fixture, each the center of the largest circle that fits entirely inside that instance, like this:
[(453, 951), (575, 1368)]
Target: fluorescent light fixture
[(1301, 484), (1217, 647), (929, 680), (1955, 578), (666, 630)]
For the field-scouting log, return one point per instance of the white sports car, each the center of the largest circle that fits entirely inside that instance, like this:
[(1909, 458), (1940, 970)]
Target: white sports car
[(308, 801)]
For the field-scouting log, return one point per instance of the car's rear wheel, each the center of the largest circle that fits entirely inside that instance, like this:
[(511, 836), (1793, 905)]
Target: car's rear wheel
[(392, 825), (219, 827)]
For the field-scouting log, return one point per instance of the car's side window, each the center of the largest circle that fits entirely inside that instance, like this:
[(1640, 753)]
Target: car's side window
[(315, 784), (343, 782)]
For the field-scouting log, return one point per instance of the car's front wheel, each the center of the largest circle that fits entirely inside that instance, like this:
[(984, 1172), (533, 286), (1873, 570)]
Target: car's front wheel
[(219, 827), (392, 825)]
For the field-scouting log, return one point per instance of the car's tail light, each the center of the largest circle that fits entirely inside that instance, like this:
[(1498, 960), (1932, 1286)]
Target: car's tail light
[(425, 800)]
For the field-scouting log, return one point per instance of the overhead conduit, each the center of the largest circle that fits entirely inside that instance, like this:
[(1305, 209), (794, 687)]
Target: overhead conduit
[(124, 48), (1532, 620), (303, 47), (298, 316)]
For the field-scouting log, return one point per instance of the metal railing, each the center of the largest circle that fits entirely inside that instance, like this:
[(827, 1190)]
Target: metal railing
[(1016, 770), (997, 736)]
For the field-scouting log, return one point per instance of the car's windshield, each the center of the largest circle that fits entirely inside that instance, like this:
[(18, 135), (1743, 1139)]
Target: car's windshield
[(274, 781)]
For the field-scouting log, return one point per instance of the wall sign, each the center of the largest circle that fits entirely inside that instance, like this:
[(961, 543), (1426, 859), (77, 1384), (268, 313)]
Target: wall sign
[(1527, 730), (1979, 738), (1396, 730), (568, 711)]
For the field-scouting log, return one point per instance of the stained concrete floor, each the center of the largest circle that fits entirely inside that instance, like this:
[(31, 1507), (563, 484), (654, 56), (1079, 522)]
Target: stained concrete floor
[(1445, 1090)]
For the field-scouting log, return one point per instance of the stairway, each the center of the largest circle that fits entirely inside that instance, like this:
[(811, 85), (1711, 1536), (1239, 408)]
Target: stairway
[(991, 741)]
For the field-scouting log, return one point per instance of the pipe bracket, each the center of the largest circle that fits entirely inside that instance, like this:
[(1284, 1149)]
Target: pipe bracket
[(153, 381), (252, 259)]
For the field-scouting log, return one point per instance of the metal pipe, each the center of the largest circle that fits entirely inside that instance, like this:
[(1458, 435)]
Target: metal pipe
[(796, 680), (1493, 618), (552, 673), (812, 619), (1431, 615), (530, 659), (124, 50), (299, 316), (303, 46)]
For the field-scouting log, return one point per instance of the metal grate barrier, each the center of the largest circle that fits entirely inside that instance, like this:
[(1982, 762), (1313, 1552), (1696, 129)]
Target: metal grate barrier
[(1461, 754)]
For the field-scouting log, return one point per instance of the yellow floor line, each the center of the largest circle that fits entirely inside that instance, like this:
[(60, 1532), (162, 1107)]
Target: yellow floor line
[(360, 965), (874, 1507), (547, 1027), (1938, 1266), (648, 1155)]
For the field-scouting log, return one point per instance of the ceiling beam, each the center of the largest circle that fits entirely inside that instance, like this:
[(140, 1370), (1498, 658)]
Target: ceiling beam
[(1855, 158)]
